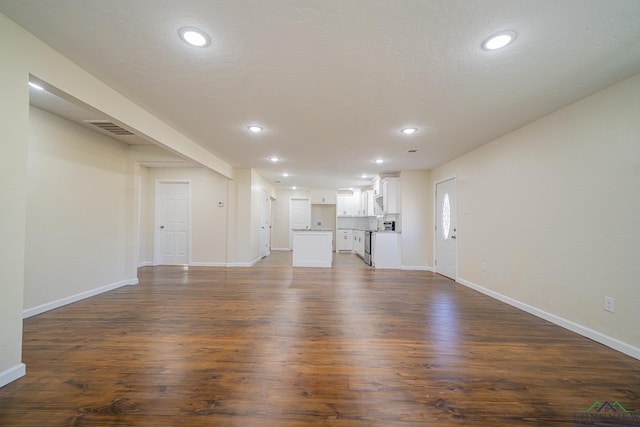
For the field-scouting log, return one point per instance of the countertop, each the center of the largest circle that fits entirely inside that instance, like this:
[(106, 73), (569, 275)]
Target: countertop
[(313, 229), (373, 231)]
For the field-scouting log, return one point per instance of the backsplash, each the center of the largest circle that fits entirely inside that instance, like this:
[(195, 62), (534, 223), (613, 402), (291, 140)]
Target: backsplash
[(357, 222)]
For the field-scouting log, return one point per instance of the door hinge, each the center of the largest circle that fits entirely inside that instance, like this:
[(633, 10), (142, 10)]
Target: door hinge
[(435, 262)]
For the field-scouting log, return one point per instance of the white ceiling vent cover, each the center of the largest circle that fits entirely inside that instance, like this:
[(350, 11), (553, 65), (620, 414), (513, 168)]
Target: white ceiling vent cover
[(109, 127)]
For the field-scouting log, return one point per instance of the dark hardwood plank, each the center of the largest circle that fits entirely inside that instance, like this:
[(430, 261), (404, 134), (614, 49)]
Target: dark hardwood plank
[(276, 346)]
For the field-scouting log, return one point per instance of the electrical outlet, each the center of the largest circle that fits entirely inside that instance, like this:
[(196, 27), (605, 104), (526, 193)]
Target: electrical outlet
[(610, 304)]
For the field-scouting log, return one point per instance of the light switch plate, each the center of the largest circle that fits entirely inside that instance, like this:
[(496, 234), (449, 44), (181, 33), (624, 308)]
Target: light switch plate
[(610, 304)]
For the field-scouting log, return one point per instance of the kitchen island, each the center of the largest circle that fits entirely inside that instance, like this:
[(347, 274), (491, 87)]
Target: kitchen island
[(312, 248)]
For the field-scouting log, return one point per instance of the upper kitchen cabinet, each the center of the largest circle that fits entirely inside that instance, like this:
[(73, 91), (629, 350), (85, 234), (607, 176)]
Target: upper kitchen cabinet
[(355, 203), (391, 195), (377, 191), (346, 205), (323, 197), (366, 203)]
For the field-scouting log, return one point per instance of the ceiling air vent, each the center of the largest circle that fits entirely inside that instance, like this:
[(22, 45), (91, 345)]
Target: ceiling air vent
[(109, 127), (412, 150)]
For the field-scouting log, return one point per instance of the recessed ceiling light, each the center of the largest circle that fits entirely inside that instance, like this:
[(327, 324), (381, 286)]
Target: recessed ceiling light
[(255, 128), (294, 188), (499, 40), (274, 158), (379, 161), (36, 86), (409, 131), (285, 174), (194, 36), (364, 176)]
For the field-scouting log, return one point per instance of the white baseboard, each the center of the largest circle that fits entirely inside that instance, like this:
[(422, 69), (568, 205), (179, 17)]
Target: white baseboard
[(314, 264), (208, 264), (281, 249), (73, 298), (417, 267), (244, 264), (611, 342), (12, 374)]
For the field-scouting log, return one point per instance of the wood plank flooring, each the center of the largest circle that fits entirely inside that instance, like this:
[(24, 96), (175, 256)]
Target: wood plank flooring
[(273, 345)]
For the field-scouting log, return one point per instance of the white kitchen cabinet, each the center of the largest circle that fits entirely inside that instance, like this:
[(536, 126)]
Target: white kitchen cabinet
[(391, 195), (386, 250), (345, 205), (357, 203), (367, 200), (344, 240), (349, 204), (377, 191), (323, 197), (358, 242)]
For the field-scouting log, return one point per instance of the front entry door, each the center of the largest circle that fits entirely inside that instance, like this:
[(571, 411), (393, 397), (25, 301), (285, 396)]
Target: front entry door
[(172, 222), (446, 228)]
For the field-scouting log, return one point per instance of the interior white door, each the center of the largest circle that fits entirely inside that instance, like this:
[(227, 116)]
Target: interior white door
[(446, 228), (299, 215), (265, 225), (173, 206)]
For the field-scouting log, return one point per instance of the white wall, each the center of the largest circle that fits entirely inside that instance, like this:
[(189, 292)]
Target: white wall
[(416, 218), (14, 124), (245, 213), (259, 189), (77, 207), (208, 220), (241, 254), (554, 210)]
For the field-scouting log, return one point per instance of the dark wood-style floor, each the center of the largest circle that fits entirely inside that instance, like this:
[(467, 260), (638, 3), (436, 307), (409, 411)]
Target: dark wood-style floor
[(278, 346)]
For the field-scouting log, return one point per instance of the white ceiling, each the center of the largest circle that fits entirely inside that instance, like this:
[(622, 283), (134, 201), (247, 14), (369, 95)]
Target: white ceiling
[(333, 81)]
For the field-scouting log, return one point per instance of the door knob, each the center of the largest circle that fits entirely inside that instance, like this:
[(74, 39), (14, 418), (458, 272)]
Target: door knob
[(162, 226)]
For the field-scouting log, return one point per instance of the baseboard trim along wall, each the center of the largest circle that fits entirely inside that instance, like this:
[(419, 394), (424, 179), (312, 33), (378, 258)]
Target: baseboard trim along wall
[(244, 264), (611, 342), (77, 297), (207, 264), (12, 374), (416, 267)]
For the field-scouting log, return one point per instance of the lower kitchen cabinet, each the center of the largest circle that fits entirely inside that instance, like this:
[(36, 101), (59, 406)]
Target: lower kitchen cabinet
[(386, 249), (344, 240), (358, 242)]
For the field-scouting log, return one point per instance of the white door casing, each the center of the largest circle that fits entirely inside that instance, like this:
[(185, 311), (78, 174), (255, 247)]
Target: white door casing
[(265, 225), (446, 229), (172, 237), (299, 215)]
